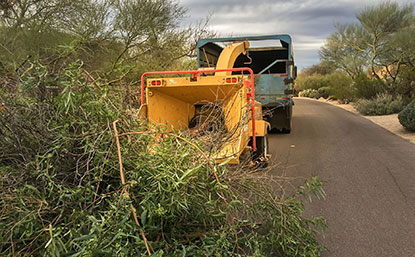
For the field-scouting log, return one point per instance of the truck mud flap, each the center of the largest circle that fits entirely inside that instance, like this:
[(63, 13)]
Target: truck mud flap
[(280, 119)]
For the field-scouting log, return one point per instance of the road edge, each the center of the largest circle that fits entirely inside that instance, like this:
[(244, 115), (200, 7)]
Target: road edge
[(397, 130)]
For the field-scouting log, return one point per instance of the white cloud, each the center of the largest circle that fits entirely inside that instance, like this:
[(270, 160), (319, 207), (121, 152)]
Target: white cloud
[(309, 22)]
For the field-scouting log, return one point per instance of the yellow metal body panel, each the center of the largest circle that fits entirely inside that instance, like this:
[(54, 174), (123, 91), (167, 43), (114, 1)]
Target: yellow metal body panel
[(236, 121), (258, 110), (228, 56), (142, 112), (171, 102), (166, 110), (208, 89), (261, 128)]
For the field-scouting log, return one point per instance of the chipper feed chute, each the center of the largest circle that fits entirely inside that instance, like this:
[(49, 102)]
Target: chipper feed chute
[(180, 103)]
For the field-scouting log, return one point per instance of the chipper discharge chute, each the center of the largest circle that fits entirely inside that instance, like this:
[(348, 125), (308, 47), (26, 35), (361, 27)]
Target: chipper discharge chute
[(221, 98)]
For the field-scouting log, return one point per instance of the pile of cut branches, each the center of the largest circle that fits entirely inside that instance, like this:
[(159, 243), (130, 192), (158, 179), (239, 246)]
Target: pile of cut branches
[(81, 176)]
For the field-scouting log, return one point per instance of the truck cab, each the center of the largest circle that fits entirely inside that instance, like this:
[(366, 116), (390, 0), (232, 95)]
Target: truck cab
[(272, 60)]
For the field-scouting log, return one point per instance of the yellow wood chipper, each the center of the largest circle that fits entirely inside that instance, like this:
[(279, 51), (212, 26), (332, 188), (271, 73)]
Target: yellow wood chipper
[(178, 103)]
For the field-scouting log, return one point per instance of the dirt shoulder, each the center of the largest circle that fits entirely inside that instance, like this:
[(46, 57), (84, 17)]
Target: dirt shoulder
[(389, 122)]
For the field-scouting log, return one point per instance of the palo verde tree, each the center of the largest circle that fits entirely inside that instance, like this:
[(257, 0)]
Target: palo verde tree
[(338, 53), (378, 42)]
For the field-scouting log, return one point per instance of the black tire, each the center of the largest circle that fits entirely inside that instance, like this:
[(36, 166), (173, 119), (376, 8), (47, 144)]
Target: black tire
[(287, 129), (262, 148)]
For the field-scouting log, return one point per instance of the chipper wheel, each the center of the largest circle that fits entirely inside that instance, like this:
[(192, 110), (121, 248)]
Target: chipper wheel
[(262, 149), (260, 156)]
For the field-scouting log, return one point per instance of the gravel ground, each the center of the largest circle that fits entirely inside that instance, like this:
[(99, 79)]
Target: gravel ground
[(389, 122)]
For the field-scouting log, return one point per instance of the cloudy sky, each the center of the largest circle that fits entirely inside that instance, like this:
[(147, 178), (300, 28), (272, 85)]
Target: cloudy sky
[(309, 22)]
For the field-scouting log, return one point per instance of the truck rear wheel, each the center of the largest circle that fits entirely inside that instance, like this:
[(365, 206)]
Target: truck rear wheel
[(288, 124)]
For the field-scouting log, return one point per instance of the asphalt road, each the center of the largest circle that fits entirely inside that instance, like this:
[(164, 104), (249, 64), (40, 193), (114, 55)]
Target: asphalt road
[(370, 174)]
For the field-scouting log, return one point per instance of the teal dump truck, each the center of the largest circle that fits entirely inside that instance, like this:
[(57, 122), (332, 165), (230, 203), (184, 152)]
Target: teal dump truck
[(272, 60)]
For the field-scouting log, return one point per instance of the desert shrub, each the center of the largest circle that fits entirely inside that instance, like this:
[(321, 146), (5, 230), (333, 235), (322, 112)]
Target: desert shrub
[(322, 68), (314, 81), (367, 88), (383, 104), (61, 194), (312, 93), (336, 84), (341, 87), (406, 85), (324, 92), (407, 116)]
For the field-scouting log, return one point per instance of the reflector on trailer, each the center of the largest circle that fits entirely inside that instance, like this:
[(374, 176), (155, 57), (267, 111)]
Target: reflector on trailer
[(155, 82), (231, 80)]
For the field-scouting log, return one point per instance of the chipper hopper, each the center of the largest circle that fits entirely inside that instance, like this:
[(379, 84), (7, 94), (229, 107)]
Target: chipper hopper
[(180, 102)]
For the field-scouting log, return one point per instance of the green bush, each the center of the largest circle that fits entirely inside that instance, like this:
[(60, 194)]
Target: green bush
[(312, 93), (341, 87), (383, 104), (336, 84), (61, 194), (406, 85), (314, 81), (367, 88), (324, 92), (407, 117), (322, 68)]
